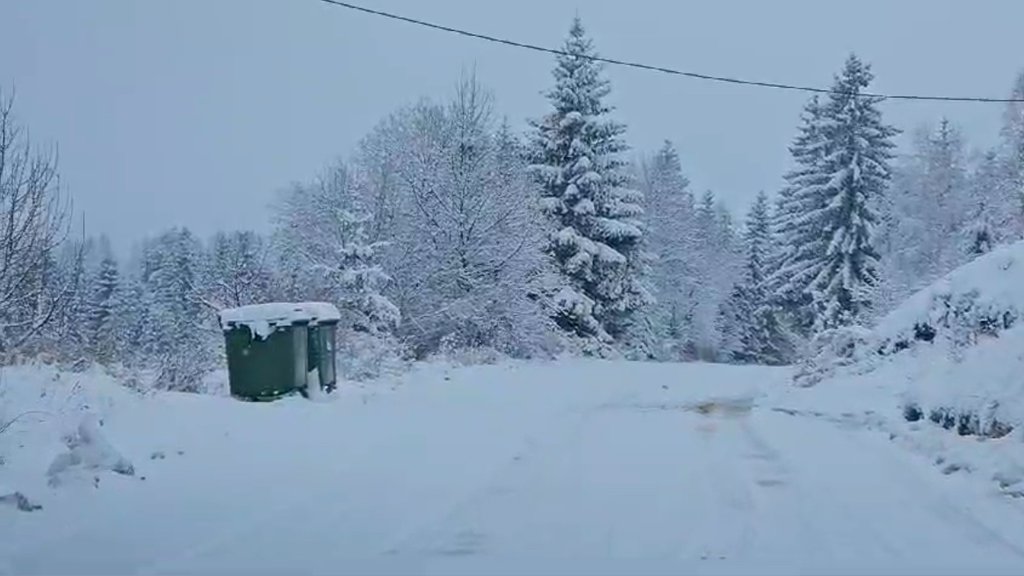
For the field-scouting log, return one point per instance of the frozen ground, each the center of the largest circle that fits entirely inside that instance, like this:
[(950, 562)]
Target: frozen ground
[(563, 468)]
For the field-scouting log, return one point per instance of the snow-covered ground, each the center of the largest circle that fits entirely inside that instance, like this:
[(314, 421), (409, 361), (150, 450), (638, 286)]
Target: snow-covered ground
[(567, 467)]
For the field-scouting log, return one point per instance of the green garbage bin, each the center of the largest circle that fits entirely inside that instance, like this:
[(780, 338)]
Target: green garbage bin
[(279, 348), (320, 353)]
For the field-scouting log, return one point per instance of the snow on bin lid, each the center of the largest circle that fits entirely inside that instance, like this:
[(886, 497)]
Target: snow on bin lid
[(259, 317)]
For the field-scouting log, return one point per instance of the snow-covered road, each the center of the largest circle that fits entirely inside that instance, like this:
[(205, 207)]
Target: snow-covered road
[(572, 468)]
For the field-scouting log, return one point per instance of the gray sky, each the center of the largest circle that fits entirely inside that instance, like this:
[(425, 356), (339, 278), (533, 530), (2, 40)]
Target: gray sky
[(195, 111)]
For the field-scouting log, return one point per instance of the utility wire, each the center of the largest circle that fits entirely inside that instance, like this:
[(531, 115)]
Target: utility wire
[(641, 66)]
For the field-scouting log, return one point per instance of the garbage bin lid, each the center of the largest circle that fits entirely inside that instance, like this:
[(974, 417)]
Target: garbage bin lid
[(263, 318)]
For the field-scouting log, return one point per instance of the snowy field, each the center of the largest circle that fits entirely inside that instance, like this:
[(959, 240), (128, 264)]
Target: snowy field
[(570, 467)]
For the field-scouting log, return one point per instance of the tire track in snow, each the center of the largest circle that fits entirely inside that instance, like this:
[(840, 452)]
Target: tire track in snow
[(779, 502), (443, 534), (726, 494), (798, 498)]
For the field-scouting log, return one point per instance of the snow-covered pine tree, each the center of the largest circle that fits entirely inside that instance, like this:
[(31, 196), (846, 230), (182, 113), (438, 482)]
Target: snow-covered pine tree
[(598, 236), (670, 212), (67, 335), (708, 300), (750, 329), (133, 325), (102, 301), (981, 231), (847, 185), (795, 243), (716, 258), (182, 333)]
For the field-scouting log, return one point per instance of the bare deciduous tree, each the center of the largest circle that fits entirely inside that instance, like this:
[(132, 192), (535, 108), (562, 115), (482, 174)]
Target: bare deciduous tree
[(34, 222)]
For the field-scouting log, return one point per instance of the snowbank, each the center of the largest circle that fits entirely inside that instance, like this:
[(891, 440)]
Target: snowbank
[(941, 373), (977, 300), (963, 336), (52, 435), (964, 326)]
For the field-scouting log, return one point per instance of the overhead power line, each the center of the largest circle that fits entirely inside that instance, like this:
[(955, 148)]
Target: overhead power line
[(650, 67)]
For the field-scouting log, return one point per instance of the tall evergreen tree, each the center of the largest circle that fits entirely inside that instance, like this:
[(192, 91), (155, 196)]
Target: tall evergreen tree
[(792, 242), (132, 321), (598, 236), (716, 256), (182, 328), (835, 261), (671, 218), (757, 242), (102, 302), (751, 331), (982, 230), (797, 243)]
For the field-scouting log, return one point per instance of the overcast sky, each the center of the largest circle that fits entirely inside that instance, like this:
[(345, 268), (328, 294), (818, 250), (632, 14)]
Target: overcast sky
[(194, 112)]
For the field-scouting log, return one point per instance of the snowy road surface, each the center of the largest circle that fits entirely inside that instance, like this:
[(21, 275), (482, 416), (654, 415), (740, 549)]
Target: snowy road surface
[(572, 468)]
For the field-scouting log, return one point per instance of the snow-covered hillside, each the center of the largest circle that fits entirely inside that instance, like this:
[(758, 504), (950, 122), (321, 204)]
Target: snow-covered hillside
[(941, 373), (564, 467), (956, 345)]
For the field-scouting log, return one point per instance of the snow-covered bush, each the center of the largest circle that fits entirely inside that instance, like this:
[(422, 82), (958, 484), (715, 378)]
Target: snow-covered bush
[(966, 423), (831, 351), (362, 356)]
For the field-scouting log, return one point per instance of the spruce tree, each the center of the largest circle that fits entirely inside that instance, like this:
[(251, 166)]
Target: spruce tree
[(671, 214), (598, 235), (133, 325), (703, 321), (751, 331), (102, 304), (182, 332), (982, 231), (795, 244), (834, 260)]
